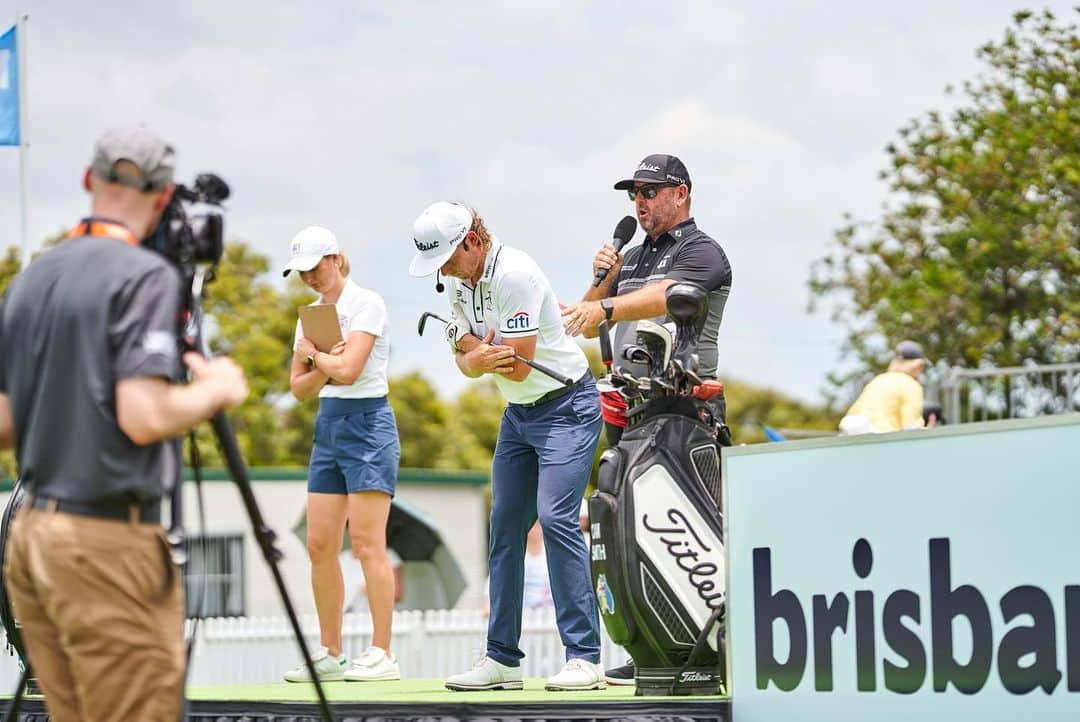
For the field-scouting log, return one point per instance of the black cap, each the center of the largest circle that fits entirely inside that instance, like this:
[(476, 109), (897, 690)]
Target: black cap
[(657, 168)]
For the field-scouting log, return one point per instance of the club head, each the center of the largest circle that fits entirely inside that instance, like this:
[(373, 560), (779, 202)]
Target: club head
[(422, 323), (637, 355), (687, 374), (687, 303), (688, 306), (655, 339)]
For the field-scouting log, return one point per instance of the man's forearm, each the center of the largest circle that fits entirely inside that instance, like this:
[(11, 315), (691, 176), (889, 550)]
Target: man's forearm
[(647, 302), (152, 409), (463, 366), (595, 293)]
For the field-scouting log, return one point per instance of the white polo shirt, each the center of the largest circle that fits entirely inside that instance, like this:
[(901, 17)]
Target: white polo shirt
[(360, 309), (514, 298)]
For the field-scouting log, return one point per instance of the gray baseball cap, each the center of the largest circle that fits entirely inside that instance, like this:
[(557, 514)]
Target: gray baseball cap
[(154, 158), (910, 350)]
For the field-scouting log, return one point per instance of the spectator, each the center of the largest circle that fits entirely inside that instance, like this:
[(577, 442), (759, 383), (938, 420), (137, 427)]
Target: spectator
[(893, 400)]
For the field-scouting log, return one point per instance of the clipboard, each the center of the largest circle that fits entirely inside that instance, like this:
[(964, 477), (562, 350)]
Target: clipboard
[(320, 324)]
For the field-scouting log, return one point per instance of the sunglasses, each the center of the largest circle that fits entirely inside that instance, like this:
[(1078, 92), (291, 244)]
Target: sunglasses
[(648, 192)]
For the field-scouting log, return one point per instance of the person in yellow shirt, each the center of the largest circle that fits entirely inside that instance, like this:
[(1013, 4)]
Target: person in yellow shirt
[(892, 401)]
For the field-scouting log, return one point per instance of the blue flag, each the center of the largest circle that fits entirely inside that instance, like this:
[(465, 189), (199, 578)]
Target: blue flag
[(9, 90)]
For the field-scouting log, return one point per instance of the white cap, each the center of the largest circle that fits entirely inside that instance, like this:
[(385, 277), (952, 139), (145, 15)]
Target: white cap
[(308, 248), (436, 233)]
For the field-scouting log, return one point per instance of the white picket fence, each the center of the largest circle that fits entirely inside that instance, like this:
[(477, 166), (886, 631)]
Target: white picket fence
[(434, 643)]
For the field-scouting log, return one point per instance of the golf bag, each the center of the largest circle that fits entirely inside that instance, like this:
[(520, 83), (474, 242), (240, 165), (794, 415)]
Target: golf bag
[(657, 553)]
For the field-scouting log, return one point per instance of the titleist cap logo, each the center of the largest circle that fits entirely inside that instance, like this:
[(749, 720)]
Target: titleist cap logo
[(647, 166), (421, 246)]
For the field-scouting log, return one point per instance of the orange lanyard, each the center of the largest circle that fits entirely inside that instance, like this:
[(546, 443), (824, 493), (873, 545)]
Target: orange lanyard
[(109, 229)]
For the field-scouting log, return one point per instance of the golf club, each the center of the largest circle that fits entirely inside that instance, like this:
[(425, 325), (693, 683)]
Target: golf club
[(564, 380)]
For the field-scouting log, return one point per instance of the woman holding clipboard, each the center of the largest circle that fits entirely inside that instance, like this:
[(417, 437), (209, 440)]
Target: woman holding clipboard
[(352, 474)]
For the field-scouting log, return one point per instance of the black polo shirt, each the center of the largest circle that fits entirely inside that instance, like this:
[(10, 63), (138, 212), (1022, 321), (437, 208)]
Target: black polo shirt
[(684, 253), (82, 317)]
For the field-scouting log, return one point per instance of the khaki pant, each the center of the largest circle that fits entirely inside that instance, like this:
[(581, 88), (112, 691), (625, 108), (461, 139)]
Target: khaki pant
[(101, 608)]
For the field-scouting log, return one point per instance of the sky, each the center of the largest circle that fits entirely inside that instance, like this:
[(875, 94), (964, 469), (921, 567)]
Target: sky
[(357, 115)]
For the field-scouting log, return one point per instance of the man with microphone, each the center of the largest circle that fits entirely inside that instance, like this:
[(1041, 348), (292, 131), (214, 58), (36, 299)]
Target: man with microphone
[(631, 287)]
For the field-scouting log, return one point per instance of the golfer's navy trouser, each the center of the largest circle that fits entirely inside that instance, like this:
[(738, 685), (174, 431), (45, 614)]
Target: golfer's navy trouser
[(542, 464)]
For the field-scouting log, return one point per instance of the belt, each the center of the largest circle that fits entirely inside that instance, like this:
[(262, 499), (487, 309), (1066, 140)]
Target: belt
[(555, 393), (117, 509)]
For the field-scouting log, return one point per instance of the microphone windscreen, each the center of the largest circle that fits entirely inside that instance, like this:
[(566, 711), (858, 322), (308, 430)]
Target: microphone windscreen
[(624, 231)]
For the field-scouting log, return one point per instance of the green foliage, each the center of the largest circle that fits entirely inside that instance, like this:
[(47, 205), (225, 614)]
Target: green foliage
[(423, 421), (976, 254), (749, 407), (10, 265)]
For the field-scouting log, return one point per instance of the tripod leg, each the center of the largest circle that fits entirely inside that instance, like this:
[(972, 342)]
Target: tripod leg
[(230, 451), (13, 711)]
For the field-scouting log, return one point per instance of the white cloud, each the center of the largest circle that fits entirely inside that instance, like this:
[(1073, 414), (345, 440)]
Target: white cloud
[(356, 118)]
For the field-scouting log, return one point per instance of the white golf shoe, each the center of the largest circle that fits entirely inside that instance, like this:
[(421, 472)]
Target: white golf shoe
[(374, 665), (329, 669), (577, 674), (486, 674)]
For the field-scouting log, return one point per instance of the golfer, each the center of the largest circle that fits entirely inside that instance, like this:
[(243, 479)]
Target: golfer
[(502, 304)]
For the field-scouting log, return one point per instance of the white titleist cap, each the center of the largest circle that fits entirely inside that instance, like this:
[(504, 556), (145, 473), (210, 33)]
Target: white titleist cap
[(308, 248), (436, 233)]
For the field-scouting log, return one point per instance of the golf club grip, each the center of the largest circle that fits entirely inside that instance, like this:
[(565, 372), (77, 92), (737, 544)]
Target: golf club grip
[(564, 380)]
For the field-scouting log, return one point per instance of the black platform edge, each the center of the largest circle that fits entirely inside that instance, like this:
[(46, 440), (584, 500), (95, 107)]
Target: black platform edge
[(640, 709)]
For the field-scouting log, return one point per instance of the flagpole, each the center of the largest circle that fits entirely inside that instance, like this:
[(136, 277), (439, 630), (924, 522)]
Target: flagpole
[(24, 136)]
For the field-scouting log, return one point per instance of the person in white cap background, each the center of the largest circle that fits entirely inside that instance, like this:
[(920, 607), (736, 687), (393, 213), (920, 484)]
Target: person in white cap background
[(92, 399), (352, 474), (502, 304), (893, 400)]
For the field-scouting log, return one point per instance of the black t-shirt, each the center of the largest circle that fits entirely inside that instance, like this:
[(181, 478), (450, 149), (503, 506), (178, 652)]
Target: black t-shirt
[(697, 258), (83, 316), (685, 253)]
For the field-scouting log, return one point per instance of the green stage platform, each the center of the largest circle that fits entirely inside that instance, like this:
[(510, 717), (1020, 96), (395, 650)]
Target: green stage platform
[(428, 700)]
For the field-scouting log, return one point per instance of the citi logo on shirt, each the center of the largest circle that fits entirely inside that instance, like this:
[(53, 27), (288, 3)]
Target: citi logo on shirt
[(518, 322)]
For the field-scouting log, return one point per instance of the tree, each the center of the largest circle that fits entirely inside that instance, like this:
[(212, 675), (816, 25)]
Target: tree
[(424, 425), (476, 413), (976, 254), (248, 319), (749, 407)]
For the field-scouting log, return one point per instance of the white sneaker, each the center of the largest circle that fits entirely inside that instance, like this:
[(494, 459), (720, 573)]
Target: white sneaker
[(486, 674), (374, 665), (329, 669), (577, 674)]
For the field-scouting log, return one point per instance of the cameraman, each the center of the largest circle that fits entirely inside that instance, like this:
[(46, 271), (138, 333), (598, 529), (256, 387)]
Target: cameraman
[(91, 400)]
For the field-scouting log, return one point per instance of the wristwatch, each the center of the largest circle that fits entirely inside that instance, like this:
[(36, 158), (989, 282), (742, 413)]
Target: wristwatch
[(605, 303), (311, 360)]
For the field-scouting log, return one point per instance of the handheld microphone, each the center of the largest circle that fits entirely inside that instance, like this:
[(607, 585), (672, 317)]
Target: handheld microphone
[(624, 231)]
